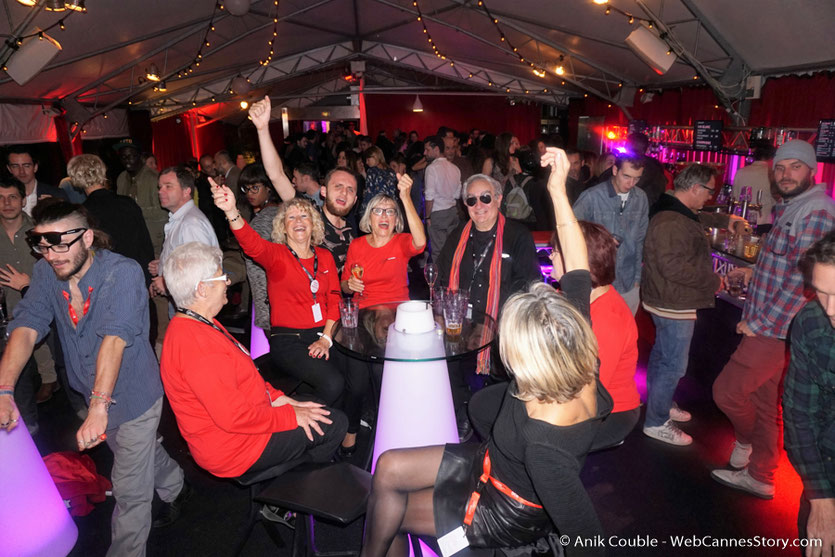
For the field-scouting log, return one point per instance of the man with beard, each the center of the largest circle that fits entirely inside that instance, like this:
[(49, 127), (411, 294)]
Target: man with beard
[(339, 192), (99, 303), (747, 390), (140, 182)]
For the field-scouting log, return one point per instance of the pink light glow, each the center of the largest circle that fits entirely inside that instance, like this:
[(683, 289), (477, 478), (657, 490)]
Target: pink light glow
[(33, 518), (258, 343), (620, 149)]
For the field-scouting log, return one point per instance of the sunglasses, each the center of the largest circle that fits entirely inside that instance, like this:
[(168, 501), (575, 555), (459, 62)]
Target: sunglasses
[(485, 198), (54, 239)]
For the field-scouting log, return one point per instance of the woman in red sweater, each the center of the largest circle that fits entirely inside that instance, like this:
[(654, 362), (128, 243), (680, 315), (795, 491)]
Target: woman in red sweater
[(303, 289), (234, 422), (383, 253), (616, 332)]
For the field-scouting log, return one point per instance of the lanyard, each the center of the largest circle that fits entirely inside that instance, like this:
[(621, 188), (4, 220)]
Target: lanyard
[(202, 319), (71, 310), (477, 264), (314, 284)]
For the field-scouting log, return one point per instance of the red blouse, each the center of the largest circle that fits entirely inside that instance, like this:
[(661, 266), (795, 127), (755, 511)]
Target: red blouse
[(288, 287), (617, 339), (221, 402), (384, 269)]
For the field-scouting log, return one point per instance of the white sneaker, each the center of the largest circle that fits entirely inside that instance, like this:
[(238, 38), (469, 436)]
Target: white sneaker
[(740, 455), (679, 415), (668, 433), (740, 479)]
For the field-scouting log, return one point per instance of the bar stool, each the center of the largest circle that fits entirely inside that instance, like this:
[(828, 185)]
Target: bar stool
[(335, 493), (256, 483)]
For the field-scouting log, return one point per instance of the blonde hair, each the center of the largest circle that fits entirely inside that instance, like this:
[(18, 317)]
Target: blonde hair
[(279, 236), (86, 171), (365, 221), (547, 345)]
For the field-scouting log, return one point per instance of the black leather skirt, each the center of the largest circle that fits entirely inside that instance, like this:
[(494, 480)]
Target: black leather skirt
[(499, 521)]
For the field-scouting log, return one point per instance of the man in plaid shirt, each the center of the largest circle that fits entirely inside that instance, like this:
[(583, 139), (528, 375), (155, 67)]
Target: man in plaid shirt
[(809, 399), (747, 389)]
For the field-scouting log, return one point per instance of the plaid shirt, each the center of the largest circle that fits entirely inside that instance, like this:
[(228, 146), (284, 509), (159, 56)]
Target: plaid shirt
[(775, 294), (809, 402)]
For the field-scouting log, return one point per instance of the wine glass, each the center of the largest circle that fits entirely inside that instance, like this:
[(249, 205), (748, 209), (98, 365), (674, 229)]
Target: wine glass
[(357, 270), (430, 273)]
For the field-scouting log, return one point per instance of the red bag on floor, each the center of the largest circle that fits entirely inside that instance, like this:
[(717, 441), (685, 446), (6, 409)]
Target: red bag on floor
[(75, 477)]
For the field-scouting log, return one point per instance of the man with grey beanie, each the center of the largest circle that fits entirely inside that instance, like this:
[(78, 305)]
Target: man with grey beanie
[(747, 389)]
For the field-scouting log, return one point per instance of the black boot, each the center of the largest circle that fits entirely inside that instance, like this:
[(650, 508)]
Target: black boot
[(170, 512)]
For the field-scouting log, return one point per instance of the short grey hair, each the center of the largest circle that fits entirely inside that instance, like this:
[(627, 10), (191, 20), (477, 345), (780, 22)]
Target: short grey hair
[(86, 171), (365, 221), (497, 187), (187, 265), (694, 175)]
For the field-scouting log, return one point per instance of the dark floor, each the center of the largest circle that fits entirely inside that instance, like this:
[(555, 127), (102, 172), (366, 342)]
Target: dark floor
[(643, 490)]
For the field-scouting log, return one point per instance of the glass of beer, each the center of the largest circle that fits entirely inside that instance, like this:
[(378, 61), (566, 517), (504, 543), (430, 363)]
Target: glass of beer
[(751, 249), (454, 312)]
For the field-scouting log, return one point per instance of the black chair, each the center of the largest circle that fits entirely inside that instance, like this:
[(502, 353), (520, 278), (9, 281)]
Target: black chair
[(335, 493), (256, 482)]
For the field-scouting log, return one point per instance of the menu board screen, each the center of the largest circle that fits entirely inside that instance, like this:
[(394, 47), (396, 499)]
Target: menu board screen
[(825, 143), (707, 135)]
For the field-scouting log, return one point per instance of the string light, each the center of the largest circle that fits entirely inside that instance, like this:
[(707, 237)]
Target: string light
[(16, 42), (435, 50), (537, 70), (271, 43)]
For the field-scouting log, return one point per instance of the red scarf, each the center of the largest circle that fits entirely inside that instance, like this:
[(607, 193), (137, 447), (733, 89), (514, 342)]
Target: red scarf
[(494, 279)]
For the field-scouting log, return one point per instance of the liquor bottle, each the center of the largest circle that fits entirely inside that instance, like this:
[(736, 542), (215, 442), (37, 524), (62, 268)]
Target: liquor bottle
[(745, 197)]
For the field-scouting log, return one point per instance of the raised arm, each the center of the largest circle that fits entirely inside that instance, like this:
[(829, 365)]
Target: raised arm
[(574, 253), (404, 187), (259, 113)]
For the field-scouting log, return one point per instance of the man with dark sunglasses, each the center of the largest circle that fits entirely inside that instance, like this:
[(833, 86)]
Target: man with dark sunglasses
[(99, 303), (491, 258)]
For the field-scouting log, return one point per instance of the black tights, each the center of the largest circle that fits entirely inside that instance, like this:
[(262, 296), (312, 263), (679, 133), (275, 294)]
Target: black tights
[(401, 500)]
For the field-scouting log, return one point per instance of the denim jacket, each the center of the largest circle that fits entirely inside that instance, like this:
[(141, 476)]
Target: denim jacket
[(628, 224)]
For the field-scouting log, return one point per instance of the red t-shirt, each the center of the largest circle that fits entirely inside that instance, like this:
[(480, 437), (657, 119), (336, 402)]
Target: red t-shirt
[(288, 287), (221, 402), (384, 269), (617, 338)]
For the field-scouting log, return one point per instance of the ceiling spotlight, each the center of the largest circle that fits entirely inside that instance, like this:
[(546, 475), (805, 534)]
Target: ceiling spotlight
[(244, 105), (417, 106), (54, 6), (152, 73), (29, 3), (76, 5), (162, 86), (560, 70), (601, 2)]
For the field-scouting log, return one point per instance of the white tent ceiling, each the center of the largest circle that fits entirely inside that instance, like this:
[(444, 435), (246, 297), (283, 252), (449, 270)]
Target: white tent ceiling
[(106, 51)]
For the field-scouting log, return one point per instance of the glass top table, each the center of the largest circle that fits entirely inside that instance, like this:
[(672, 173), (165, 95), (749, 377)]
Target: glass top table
[(368, 340)]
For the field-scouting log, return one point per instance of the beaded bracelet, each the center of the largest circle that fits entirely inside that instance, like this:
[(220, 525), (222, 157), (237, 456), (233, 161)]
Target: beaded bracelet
[(104, 397), (233, 220)]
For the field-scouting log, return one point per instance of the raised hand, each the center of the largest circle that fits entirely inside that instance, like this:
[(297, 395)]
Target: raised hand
[(556, 159), (259, 113), (404, 184), (223, 196)]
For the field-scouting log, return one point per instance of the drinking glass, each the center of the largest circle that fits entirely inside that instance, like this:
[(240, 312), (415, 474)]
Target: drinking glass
[(454, 313), (348, 313), (357, 271), (430, 273), (735, 283)]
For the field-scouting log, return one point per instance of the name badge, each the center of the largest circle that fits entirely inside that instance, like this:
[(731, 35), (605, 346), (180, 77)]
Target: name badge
[(317, 312), (314, 286), (453, 542)]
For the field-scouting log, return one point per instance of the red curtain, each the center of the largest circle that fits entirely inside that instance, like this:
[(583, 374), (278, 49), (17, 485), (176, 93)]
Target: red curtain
[(494, 114), (172, 140), (209, 139), (795, 101)]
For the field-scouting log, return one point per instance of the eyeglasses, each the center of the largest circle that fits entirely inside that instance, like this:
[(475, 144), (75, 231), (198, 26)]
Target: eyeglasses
[(379, 211), (254, 188), (54, 239), (485, 198), (224, 277), (711, 190)]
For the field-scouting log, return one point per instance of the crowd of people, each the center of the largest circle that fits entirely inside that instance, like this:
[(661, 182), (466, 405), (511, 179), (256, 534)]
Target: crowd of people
[(115, 291)]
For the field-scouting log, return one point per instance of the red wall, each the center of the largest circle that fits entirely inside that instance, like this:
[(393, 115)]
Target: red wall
[(462, 113)]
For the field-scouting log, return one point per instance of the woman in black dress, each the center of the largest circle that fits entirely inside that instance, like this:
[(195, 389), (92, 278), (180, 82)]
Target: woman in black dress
[(546, 421)]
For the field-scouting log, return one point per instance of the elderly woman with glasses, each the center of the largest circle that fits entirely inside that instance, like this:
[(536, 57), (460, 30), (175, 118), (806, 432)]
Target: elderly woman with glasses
[(302, 286), (233, 421), (377, 264)]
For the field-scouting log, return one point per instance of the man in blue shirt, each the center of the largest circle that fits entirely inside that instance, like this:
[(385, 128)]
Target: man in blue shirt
[(99, 303), (624, 210)]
